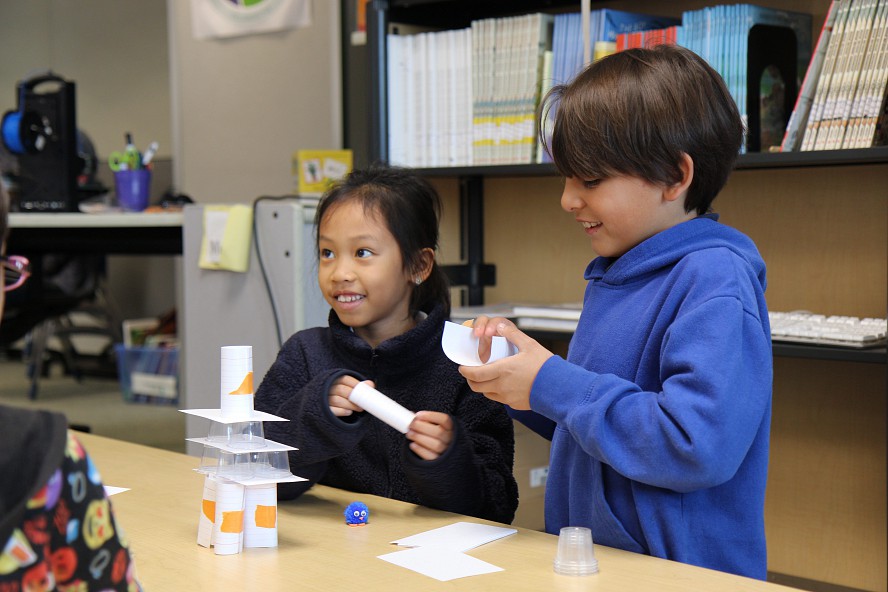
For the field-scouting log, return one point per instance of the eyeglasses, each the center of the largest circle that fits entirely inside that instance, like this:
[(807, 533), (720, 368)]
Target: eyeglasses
[(16, 270)]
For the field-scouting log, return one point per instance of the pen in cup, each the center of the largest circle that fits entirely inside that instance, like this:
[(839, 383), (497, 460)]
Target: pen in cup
[(149, 154)]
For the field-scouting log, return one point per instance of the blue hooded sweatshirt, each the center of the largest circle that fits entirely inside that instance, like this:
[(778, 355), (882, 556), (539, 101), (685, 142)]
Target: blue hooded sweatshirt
[(660, 416)]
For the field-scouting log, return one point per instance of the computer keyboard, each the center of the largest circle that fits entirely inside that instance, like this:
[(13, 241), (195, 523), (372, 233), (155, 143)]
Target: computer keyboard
[(817, 329)]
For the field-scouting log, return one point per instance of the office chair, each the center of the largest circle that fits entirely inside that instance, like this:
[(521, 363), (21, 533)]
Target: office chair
[(63, 292)]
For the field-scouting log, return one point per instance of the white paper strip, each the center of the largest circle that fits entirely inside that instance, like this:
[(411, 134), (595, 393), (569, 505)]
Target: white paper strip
[(379, 405), (207, 513), (228, 532), (441, 564), (459, 536)]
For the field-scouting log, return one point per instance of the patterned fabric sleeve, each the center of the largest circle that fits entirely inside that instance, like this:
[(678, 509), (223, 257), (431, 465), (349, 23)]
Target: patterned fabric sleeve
[(68, 539)]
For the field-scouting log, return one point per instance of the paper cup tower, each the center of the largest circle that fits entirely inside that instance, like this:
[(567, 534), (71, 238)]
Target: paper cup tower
[(242, 468)]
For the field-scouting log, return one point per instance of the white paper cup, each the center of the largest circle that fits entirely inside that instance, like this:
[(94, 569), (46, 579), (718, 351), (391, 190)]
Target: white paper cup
[(575, 556)]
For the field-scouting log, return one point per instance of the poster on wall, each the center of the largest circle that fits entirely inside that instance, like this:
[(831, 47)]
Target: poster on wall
[(214, 19)]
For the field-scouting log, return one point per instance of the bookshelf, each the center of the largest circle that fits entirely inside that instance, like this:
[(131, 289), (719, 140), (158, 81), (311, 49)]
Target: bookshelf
[(821, 221)]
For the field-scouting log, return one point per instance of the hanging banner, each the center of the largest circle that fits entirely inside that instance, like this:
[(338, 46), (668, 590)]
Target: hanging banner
[(213, 19)]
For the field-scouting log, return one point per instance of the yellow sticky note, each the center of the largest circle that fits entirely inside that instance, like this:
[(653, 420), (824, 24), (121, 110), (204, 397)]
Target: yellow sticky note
[(227, 232)]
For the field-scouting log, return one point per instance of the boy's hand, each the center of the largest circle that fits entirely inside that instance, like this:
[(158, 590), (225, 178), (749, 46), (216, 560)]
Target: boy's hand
[(430, 433), (338, 396), (508, 380), (484, 328)]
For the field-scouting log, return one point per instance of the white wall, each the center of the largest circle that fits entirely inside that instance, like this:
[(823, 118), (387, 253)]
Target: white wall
[(243, 105), (116, 51), (228, 112)]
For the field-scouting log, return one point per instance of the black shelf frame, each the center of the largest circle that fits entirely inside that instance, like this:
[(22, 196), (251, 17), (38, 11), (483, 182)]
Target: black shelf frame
[(475, 274), (874, 355), (754, 160)]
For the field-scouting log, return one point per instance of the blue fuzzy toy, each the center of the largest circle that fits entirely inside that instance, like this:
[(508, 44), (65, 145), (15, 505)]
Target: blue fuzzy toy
[(357, 514)]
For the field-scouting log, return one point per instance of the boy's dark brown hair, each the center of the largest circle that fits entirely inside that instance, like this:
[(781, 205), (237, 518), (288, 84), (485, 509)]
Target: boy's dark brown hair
[(635, 113)]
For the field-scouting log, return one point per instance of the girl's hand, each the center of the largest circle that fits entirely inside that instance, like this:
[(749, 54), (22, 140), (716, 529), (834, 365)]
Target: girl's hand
[(338, 396), (430, 433)]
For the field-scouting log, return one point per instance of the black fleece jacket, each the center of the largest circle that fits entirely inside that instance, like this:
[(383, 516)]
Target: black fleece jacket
[(362, 454)]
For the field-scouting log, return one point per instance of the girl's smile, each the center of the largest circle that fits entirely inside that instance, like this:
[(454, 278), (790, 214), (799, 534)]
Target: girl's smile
[(361, 273)]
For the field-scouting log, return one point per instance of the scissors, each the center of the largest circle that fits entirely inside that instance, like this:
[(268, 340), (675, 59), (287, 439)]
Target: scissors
[(127, 160)]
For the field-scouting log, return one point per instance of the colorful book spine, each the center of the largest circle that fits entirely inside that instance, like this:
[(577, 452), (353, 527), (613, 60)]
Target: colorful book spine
[(795, 127)]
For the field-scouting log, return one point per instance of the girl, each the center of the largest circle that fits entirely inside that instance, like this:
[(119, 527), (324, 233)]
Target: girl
[(377, 231)]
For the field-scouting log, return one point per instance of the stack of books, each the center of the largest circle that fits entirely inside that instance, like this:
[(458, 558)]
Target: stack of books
[(549, 317), (560, 317), (469, 97), (843, 101)]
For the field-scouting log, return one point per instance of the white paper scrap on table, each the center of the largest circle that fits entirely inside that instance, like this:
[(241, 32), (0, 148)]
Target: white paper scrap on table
[(461, 346), (374, 402), (111, 490), (440, 563), (459, 536)]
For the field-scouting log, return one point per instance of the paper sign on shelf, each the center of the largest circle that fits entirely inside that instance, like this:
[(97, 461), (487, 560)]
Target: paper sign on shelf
[(316, 170)]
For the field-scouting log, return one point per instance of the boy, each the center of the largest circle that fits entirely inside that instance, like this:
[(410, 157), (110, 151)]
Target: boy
[(659, 418), (49, 488)]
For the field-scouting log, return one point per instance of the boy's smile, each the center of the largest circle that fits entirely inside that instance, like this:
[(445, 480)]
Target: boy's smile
[(618, 213)]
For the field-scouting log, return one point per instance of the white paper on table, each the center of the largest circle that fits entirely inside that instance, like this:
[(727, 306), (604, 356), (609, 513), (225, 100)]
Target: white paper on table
[(111, 490), (441, 564), (374, 402), (459, 536), (461, 346)]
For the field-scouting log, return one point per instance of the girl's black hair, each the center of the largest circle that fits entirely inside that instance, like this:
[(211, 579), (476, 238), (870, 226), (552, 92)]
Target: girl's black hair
[(411, 209)]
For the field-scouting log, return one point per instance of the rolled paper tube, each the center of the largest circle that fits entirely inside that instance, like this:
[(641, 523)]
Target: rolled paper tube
[(228, 527), (207, 513), (236, 380), (379, 405), (260, 516)]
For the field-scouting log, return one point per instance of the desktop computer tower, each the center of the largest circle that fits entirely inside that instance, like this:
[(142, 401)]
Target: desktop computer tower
[(43, 135)]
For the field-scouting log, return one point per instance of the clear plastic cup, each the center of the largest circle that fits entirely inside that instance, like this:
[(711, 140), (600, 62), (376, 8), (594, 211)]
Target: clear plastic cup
[(245, 435), (235, 465), (271, 465), (209, 461), (575, 556)]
